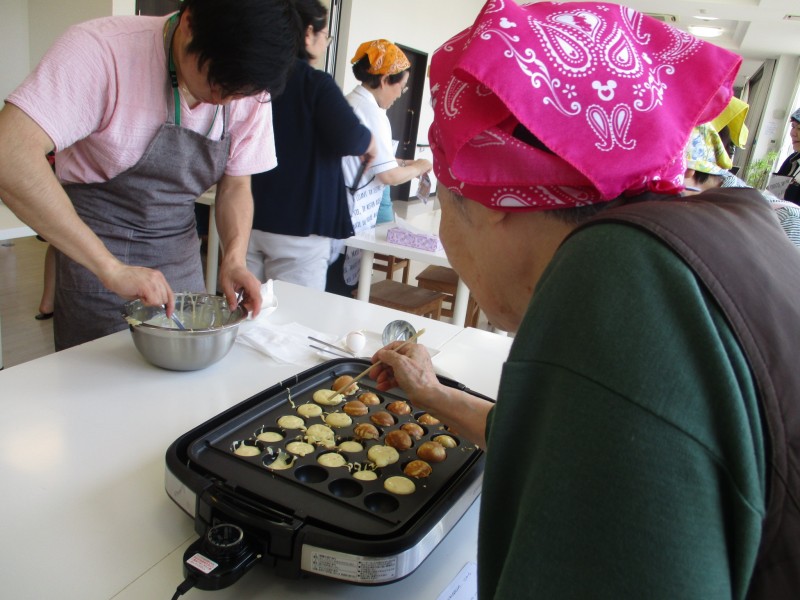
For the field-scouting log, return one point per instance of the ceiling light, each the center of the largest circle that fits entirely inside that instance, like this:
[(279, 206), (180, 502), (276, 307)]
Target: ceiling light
[(708, 32), (705, 18)]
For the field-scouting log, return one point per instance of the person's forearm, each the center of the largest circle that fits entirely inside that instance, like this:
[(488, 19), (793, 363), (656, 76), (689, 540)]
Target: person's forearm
[(463, 413), (31, 190), (233, 209), (401, 174)]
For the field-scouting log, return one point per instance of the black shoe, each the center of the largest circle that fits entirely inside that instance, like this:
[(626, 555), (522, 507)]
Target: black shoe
[(43, 316)]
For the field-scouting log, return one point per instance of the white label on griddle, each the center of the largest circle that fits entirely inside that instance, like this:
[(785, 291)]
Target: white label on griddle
[(202, 563), (349, 566)]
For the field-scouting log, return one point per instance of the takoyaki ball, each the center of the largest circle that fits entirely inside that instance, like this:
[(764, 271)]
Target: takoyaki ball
[(446, 441), (428, 419), (300, 448), (247, 450), (414, 430), (432, 452), (399, 407), (338, 420), (322, 435), (365, 475), (398, 439), (402, 486), (327, 397), (366, 431), (355, 408), (383, 455), (369, 398), (343, 380), (269, 436), (331, 459), (350, 446), (309, 410), (291, 422), (382, 418), (417, 469)]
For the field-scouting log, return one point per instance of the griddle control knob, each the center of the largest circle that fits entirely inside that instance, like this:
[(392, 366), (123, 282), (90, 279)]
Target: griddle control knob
[(225, 540), (219, 558)]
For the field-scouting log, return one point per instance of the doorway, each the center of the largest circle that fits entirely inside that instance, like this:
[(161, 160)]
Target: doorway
[(756, 91), (404, 114)]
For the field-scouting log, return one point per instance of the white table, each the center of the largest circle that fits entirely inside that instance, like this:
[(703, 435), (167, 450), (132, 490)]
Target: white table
[(11, 228), (373, 240), (82, 445)]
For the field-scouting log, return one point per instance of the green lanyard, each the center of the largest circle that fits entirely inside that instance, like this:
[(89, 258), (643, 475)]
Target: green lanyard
[(173, 77)]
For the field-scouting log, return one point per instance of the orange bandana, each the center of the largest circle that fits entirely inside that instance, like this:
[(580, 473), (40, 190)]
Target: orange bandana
[(384, 57)]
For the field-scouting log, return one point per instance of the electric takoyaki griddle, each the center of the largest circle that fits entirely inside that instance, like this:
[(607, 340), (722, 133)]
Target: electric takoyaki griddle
[(310, 518)]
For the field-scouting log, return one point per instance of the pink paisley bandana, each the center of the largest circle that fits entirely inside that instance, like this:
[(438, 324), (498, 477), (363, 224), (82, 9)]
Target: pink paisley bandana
[(612, 94)]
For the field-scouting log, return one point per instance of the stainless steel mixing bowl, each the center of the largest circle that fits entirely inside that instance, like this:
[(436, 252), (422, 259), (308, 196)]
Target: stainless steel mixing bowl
[(211, 329)]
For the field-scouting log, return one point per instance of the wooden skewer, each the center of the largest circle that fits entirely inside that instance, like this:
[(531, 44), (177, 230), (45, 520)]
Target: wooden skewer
[(367, 370)]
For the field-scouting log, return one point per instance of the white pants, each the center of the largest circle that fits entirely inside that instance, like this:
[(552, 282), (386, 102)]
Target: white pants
[(300, 260)]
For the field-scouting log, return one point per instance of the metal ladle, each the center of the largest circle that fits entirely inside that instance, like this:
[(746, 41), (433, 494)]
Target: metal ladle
[(397, 331)]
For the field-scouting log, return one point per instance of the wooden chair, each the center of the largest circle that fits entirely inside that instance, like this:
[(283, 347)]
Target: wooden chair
[(445, 280), (386, 263), (408, 298)]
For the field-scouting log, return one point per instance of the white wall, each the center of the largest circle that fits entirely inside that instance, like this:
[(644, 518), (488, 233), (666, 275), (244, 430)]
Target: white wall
[(49, 19), (14, 52), (29, 27), (420, 24)]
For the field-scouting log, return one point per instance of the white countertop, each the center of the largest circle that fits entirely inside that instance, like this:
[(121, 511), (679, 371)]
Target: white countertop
[(82, 444)]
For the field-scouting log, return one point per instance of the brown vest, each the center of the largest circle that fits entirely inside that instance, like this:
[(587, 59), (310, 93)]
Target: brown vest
[(732, 241)]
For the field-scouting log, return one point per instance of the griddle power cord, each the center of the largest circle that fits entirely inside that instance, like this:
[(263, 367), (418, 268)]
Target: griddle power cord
[(187, 584)]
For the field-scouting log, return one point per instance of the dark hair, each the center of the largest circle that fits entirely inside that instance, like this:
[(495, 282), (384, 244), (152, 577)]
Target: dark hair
[(249, 45), (314, 13), (701, 177), (360, 70)]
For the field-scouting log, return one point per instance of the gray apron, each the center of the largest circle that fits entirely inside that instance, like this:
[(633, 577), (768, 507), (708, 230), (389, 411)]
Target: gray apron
[(145, 217)]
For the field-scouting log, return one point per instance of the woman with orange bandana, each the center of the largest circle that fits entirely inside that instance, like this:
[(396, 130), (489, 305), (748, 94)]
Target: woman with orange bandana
[(383, 70)]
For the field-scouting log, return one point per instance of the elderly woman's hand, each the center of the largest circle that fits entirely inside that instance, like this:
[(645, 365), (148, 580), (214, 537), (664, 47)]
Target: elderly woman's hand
[(409, 368)]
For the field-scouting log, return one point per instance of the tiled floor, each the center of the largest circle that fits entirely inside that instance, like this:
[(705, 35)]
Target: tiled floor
[(21, 271)]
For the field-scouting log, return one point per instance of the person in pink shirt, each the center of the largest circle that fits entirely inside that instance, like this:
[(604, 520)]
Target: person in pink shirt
[(145, 114)]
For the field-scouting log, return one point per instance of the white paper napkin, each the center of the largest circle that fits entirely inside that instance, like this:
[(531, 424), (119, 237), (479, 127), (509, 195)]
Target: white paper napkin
[(287, 343)]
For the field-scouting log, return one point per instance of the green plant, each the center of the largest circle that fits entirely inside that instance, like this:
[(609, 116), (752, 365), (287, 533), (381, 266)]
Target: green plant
[(758, 172)]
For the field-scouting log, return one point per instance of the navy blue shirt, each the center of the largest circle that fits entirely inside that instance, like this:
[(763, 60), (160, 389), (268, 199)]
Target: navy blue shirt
[(788, 168), (314, 128)]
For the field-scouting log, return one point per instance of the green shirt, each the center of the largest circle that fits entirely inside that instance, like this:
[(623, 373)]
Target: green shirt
[(626, 452)]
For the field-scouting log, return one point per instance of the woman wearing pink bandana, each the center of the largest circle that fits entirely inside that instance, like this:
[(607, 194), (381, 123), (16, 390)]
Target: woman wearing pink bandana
[(646, 435)]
